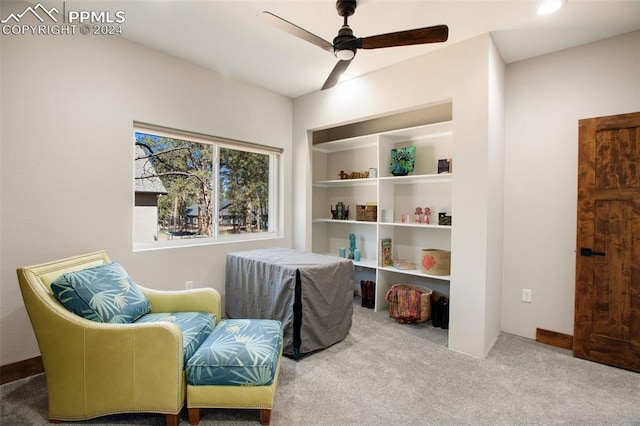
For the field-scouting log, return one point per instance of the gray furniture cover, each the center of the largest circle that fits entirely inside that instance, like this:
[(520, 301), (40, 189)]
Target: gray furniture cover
[(310, 293)]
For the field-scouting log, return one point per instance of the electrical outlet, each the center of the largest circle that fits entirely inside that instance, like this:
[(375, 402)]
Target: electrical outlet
[(188, 285), (526, 295)]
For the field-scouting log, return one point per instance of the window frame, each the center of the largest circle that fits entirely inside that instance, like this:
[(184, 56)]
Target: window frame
[(275, 188)]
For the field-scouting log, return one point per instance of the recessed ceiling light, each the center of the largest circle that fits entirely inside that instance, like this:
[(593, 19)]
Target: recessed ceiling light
[(550, 6)]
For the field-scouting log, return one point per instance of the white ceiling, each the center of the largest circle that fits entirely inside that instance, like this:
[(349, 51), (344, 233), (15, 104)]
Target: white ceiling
[(227, 36)]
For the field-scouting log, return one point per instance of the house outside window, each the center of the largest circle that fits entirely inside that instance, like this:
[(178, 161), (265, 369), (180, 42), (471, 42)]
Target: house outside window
[(194, 189)]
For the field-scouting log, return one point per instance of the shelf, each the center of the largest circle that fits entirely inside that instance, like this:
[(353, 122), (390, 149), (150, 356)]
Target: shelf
[(399, 224), (400, 194), (349, 144), (321, 220), (396, 180), (411, 179), (415, 225), (371, 264), (415, 272), (428, 131), (365, 263), (345, 182)]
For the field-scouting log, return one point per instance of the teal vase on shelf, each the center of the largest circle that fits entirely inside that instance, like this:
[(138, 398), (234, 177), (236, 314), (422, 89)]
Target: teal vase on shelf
[(352, 245)]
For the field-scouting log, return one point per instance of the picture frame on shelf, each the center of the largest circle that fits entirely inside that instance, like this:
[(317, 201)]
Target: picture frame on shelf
[(402, 161), (444, 219), (445, 166), (385, 256), (387, 216)]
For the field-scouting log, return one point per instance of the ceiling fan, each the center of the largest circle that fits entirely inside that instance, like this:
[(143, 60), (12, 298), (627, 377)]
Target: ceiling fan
[(345, 44)]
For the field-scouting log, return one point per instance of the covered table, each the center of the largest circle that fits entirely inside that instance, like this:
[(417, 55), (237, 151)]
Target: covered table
[(311, 294)]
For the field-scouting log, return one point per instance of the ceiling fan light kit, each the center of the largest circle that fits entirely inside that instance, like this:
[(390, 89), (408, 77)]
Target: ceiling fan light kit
[(340, 43), (345, 54), (345, 44)]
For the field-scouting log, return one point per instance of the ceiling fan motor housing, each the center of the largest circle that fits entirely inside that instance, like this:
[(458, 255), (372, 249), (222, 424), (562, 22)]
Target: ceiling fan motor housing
[(346, 7), (342, 49)]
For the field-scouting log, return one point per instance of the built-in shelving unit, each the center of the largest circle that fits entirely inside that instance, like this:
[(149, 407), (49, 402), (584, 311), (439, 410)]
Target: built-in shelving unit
[(400, 194)]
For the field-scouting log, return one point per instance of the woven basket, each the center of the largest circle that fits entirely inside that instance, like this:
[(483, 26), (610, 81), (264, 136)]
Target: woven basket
[(398, 308), (367, 213), (436, 262)]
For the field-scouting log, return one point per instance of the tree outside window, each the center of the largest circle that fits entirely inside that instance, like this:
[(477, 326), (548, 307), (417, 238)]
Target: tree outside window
[(209, 190), (244, 189)]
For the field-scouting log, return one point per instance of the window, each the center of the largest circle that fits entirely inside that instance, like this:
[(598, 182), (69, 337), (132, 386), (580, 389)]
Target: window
[(195, 189)]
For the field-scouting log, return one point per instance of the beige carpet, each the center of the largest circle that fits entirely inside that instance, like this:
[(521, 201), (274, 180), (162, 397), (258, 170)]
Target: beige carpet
[(385, 373)]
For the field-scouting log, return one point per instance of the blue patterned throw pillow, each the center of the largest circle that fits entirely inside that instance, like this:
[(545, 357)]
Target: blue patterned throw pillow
[(104, 293)]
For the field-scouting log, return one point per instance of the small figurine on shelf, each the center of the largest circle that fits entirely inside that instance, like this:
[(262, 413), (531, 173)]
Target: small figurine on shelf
[(418, 214), (341, 212), (334, 212), (427, 212), (404, 218), (352, 245)]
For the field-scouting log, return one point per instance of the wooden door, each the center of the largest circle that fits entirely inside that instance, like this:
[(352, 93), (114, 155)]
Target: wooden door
[(607, 300)]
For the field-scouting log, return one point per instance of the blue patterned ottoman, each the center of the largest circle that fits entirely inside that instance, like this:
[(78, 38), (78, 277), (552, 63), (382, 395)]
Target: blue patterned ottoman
[(237, 366)]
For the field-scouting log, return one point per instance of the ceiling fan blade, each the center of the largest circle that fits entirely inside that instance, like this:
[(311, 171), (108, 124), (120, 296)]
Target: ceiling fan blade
[(295, 30), (336, 73), (435, 34)]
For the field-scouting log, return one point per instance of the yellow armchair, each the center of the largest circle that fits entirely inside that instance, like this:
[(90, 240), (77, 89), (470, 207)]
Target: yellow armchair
[(95, 369)]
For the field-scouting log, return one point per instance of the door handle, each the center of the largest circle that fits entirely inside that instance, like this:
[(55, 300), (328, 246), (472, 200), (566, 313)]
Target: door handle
[(587, 252)]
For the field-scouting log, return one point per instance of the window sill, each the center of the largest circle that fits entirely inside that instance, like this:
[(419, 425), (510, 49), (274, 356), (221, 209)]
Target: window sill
[(195, 242)]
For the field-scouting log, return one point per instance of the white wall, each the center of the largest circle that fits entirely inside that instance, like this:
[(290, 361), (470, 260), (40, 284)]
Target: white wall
[(495, 234), (546, 96), (68, 106), (458, 73), (145, 224)]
